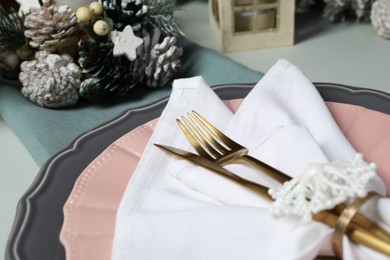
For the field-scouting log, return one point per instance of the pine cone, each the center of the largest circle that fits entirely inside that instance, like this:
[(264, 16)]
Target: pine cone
[(143, 52), (161, 15), (380, 18), (125, 12), (50, 80), (50, 26), (108, 74), (157, 62), (11, 30)]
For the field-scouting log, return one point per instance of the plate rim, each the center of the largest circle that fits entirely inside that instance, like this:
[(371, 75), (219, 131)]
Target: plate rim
[(377, 100)]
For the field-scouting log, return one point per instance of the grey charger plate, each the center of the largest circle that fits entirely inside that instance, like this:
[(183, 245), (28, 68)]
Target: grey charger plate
[(39, 216)]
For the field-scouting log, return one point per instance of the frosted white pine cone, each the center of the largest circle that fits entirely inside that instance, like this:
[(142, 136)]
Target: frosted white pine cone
[(380, 18), (164, 62), (50, 80)]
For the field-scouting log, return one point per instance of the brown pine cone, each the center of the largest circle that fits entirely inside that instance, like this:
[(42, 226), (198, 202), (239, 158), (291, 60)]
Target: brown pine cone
[(50, 26)]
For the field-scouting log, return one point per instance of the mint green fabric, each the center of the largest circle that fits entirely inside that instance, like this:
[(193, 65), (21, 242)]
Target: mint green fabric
[(46, 131)]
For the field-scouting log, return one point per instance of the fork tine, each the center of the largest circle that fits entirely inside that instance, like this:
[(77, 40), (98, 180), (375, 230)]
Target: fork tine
[(194, 142), (212, 139), (212, 150), (199, 137), (226, 140)]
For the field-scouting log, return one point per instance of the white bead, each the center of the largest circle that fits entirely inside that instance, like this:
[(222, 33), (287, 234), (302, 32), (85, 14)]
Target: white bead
[(101, 28), (11, 60), (83, 15), (96, 8)]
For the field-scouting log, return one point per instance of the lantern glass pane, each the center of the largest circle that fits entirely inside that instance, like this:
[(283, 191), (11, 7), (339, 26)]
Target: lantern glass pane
[(243, 2), (266, 19), (243, 21), (267, 1)]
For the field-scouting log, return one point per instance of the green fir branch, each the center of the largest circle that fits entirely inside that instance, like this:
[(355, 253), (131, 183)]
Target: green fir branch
[(11, 29), (161, 13)]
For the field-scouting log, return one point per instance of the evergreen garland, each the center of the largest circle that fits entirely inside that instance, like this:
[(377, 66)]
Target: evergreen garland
[(11, 30), (125, 12), (161, 16), (108, 75), (302, 6), (338, 10)]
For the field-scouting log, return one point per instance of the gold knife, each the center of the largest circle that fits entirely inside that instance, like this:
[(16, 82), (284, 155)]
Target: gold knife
[(216, 168)]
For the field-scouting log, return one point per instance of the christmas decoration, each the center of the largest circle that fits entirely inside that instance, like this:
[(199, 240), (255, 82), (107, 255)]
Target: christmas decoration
[(125, 12), (126, 43), (159, 60), (83, 15), (129, 62), (8, 63), (50, 27), (12, 43), (108, 74), (93, 22), (11, 30), (341, 10), (51, 80), (161, 16), (101, 28), (338, 10), (105, 38), (164, 62), (302, 6), (380, 18), (11, 60), (96, 8)]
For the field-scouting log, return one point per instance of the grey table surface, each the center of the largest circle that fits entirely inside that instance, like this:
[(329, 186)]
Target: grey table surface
[(347, 53)]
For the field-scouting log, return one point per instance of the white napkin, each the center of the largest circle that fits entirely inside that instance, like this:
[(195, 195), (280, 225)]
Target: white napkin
[(287, 131), (160, 218), (151, 192)]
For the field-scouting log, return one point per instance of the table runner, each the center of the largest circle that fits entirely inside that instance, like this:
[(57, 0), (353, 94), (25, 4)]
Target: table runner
[(46, 131)]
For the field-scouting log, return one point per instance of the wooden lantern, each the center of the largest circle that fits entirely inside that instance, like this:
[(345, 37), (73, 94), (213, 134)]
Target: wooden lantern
[(252, 24)]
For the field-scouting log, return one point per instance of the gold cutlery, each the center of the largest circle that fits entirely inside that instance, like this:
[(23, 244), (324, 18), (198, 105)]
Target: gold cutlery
[(212, 144), (221, 149), (356, 233), (216, 168)]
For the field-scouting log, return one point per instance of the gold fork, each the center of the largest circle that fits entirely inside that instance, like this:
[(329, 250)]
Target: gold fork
[(221, 149), (215, 146)]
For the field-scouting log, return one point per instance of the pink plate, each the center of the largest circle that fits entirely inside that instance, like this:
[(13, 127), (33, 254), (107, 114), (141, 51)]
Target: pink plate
[(90, 211)]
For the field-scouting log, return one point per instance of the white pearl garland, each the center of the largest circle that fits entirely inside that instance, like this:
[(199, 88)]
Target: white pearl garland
[(321, 187)]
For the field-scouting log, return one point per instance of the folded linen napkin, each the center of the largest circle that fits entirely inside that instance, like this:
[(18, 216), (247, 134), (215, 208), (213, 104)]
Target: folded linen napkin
[(287, 130), (151, 190), (160, 218)]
